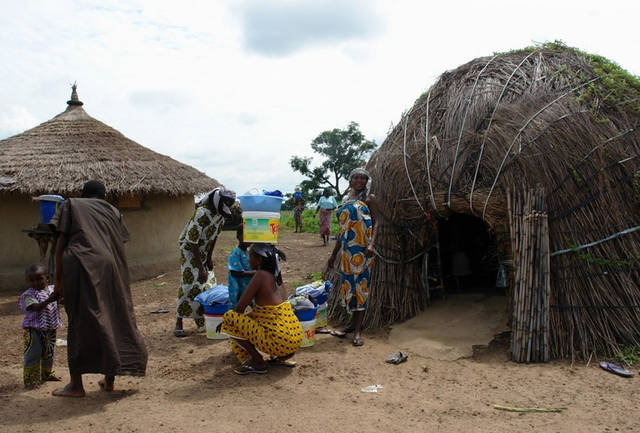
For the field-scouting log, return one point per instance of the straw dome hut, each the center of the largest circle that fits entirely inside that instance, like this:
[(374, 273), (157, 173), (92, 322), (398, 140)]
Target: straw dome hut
[(531, 157), (154, 192)]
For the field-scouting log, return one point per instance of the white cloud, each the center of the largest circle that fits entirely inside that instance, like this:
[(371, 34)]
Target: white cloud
[(281, 27), (15, 119)]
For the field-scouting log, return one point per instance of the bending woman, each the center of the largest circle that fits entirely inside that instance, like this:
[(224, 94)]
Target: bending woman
[(358, 221), (197, 241), (271, 326)]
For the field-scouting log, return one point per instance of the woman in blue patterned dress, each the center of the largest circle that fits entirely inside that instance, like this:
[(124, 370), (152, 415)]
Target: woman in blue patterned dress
[(358, 221)]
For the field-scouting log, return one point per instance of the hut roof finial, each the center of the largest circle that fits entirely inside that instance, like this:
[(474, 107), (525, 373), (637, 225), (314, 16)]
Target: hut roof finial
[(74, 96)]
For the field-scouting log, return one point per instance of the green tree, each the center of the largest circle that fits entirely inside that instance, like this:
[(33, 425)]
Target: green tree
[(342, 151)]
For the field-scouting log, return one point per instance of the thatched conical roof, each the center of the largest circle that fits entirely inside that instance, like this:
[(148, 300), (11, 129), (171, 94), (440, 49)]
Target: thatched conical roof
[(59, 155), (547, 115)]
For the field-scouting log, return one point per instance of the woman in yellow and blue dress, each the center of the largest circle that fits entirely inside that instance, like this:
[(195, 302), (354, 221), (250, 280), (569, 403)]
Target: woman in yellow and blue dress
[(271, 327), (197, 241), (358, 222)]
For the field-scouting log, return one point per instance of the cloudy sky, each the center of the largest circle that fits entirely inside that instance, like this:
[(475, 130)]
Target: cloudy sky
[(235, 88)]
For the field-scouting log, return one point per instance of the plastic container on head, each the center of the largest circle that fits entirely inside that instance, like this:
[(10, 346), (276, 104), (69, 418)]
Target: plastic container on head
[(260, 203), (49, 204), (260, 227)]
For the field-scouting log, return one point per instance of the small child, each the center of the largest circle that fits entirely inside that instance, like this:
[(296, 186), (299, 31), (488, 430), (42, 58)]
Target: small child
[(40, 322), (240, 272), (297, 215)]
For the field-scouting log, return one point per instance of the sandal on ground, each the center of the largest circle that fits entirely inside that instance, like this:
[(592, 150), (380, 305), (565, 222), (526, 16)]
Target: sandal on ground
[(248, 369), (179, 333), (341, 334), (200, 330), (323, 330), (358, 341), (283, 361)]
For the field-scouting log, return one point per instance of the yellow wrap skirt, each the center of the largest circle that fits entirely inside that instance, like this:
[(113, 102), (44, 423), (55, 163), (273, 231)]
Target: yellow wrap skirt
[(272, 329)]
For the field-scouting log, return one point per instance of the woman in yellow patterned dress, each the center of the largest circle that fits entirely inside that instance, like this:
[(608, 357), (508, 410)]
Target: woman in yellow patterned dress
[(197, 240), (358, 221), (271, 327)]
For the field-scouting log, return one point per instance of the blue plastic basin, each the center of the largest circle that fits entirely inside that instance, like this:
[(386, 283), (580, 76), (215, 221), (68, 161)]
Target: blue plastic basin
[(216, 308), (306, 315), (260, 203)]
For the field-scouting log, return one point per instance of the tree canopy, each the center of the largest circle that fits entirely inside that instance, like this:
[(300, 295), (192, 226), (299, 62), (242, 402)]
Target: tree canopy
[(342, 150)]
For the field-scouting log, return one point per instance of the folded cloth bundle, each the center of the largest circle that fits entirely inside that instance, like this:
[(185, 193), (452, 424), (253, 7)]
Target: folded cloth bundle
[(301, 302)]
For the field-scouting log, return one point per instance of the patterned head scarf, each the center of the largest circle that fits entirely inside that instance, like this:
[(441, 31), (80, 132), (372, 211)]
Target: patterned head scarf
[(220, 200), (365, 192), (270, 252)]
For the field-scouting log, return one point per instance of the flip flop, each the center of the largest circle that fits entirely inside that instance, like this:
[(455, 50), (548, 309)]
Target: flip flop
[(282, 362), (323, 330), (341, 334), (615, 369), (357, 342), (179, 333), (248, 369)]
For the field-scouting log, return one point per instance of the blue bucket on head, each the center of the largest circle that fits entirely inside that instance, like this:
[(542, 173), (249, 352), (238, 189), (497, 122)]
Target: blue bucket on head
[(306, 315), (216, 309), (260, 203), (49, 204)]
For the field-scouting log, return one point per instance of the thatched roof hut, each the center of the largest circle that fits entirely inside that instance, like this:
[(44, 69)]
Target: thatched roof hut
[(154, 192), (540, 146), (62, 153)]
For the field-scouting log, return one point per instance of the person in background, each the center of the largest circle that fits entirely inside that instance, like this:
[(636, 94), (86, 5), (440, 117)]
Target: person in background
[(326, 204), (197, 241), (240, 272), (40, 323), (92, 276), (297, 215), (271, 327), (358, 221)]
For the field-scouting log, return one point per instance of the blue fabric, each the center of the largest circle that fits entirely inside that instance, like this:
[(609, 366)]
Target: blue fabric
[(238, 261), (216, 295)]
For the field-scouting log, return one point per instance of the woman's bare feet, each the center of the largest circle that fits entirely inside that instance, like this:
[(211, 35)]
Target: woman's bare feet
[(52, 378), (69, 391), (106, 384)]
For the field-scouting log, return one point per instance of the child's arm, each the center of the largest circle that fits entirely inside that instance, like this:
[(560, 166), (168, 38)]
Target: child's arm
[(239, 274), (41, 305)]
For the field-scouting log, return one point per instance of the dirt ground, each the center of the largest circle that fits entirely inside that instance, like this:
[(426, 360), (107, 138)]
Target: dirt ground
[(190, 385)]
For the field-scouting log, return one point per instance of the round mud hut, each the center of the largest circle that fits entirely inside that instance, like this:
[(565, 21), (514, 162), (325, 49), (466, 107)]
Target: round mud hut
[(154, 192), (519, 170)]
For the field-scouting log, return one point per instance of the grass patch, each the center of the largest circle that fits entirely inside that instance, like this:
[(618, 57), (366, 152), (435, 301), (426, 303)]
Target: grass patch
[(629, 355), (309, 221)]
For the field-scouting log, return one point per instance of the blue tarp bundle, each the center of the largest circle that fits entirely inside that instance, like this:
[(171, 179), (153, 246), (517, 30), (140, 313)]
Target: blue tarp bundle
[(216, 295)]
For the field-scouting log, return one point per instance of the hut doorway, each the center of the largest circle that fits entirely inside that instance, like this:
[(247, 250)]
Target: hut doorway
[(471, 311), (469, 255)]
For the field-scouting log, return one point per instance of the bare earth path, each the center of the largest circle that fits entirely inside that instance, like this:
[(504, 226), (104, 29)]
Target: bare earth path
[(190, 385)]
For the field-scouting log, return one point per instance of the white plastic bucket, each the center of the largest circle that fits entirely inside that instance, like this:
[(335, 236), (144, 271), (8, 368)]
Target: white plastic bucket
[(211, 322), (308, 333), (261, 227)]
